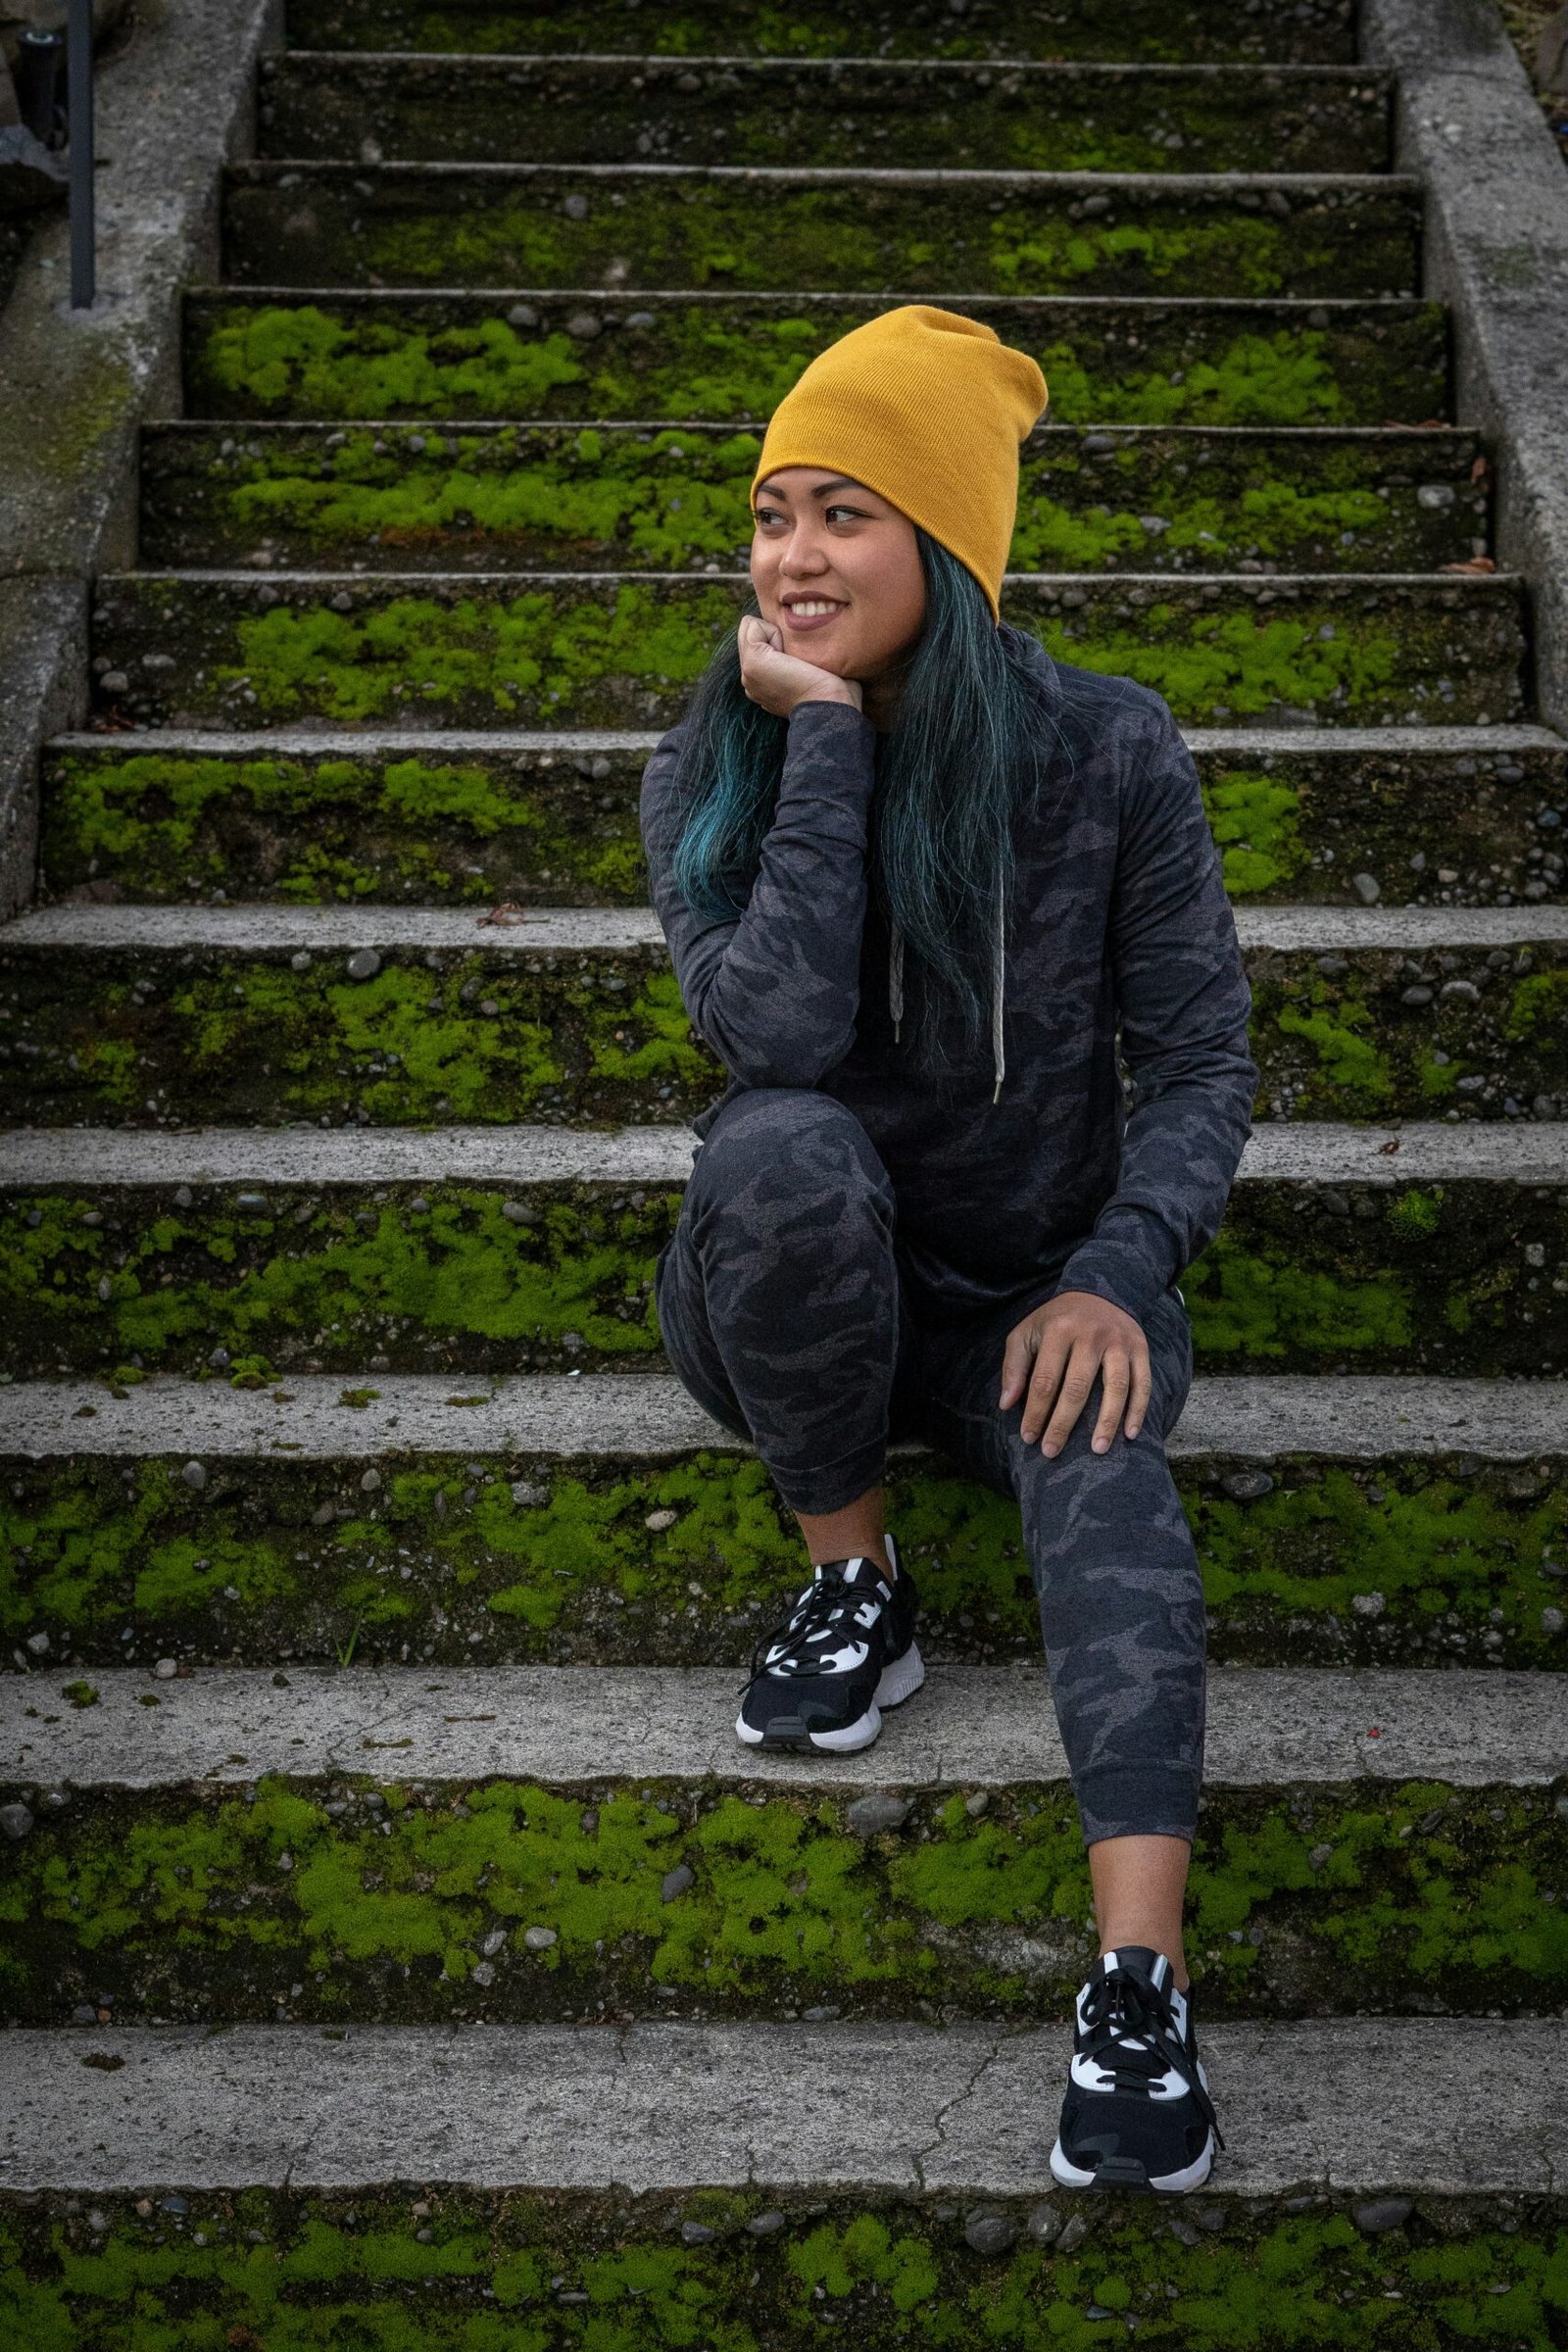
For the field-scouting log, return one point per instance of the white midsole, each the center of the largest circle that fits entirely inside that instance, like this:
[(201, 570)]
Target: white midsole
[(900, 1681), (1169, 2184)]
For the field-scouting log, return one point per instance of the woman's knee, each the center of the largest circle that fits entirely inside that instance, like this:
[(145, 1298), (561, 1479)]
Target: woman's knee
[(787, 1155)]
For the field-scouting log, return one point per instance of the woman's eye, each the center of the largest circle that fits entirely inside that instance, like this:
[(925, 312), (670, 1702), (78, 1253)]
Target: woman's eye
[(844, 514)]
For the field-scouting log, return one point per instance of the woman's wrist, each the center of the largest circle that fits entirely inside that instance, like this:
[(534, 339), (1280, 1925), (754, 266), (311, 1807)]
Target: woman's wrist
[(845, 694)]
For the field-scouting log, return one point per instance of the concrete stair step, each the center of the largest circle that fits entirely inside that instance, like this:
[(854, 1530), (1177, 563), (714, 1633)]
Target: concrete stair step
[(826, 112), (632, 226), (551, 819), (1314, 31), (1346, 2105), (970, 1728), (430, 1820), (397, 498), (389, 1014), (473, 1519), (1157, 360), (625, 648)]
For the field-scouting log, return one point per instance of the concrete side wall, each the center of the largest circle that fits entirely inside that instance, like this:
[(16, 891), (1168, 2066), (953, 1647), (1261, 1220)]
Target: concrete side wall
[(1496, 250), (173, 103)]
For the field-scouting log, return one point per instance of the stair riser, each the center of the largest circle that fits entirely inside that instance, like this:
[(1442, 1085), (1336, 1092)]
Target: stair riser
[(1458, 1277), (179, 1904), (149, 1035), (619, 652), (400, 499), (479, 1559), (549, 828), (367, 226), (1156, 31), (420, 2262), (668, 110), (725, 357)]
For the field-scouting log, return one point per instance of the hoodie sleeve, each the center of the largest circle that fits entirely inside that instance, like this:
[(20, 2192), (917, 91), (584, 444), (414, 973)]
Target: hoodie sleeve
[(775, 992), (1184, 1003)]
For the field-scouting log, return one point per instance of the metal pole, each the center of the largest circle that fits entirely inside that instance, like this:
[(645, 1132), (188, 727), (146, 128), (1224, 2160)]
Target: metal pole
[(79, 100)]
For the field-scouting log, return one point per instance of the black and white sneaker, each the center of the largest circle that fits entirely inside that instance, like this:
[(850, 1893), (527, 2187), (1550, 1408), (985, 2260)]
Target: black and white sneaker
[(1137, 2114), (847, 1652)]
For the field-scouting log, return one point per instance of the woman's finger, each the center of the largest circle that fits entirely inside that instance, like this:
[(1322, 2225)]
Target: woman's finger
[(1017, 1355), (1142, 1383), (1050, 1362), (1115, 1378), (1077, 1381)]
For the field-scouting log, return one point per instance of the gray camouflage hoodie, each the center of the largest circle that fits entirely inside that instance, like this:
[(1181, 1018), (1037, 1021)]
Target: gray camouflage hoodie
[(1030, 1168)]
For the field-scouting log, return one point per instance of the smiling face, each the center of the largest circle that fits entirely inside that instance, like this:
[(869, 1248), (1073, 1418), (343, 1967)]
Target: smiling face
[(838, 569)]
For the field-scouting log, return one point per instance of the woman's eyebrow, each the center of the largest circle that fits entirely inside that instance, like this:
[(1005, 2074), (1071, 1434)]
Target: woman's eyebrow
[(839, 481)]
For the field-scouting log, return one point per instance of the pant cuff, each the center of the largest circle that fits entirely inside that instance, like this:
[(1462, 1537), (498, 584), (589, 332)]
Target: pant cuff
[(832, 1488), (1144, 1800)]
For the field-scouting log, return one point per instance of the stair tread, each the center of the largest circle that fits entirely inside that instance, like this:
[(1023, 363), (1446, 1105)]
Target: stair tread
[(1358, 1416), (372, 742), (1345, 2103), (985, 1725), (547, 930)]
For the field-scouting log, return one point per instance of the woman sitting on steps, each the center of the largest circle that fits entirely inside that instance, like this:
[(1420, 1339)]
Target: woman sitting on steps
[(912, 873)]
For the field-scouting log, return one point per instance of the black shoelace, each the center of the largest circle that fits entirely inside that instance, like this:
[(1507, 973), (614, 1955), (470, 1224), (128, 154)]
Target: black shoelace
[(1123, 2007), (804, 1635)]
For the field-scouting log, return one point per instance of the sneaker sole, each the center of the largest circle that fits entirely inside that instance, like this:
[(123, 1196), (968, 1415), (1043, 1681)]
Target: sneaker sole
[(900, 1681), (1165, 2184)]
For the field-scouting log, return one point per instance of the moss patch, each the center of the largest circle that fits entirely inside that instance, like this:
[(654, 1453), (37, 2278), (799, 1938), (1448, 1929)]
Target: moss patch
[(561, 830), (612, 650), (733, 359), (638, 109), (557, 829), (410, 1902), (1151, 32), (495, 1036), (602, 497), (440, 2270), (551, 227), (465, 1559)]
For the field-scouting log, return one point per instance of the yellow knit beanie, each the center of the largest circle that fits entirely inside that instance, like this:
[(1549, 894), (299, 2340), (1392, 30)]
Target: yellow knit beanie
[(926, 408)]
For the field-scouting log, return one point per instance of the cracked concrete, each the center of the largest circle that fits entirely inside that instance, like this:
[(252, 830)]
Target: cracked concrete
[(971, 1724), (1345, 2103), (1306, 1152), (635, 1416), (172, 102)]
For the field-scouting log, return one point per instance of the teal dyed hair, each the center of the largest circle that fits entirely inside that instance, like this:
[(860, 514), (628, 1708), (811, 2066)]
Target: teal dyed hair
[(961, 758)]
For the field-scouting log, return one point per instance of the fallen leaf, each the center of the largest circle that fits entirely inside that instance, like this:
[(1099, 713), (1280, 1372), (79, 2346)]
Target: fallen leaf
[(1472, 564), (507, 912)]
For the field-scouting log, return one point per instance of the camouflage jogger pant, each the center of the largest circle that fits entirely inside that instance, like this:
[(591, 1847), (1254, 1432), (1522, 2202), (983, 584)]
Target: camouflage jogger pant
[(784, 1316)]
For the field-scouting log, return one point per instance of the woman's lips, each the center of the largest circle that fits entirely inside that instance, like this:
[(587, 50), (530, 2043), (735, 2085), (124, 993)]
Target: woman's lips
[(804, 622)]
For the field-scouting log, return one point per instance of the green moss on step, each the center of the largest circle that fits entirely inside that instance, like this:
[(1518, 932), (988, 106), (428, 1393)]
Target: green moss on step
[(593, 498), (312, 830), (1292, 1282), (1145, 31), (694, 230), (1349, 1900), (445, 2270), (479, 1559), (693, 361), (617, 650)]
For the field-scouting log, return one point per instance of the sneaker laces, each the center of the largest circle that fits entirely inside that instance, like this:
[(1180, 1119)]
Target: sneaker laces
[(805, 1637), (1130, 2010)]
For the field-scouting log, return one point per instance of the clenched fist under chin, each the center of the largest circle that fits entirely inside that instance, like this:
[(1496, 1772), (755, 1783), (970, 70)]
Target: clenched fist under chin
[(778, 681)]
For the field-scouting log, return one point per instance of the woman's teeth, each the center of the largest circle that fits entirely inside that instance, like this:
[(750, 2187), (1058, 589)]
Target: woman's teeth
[(810, 611)]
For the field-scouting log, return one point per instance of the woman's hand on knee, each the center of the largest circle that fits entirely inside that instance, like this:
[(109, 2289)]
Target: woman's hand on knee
[(1051, 1359)]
